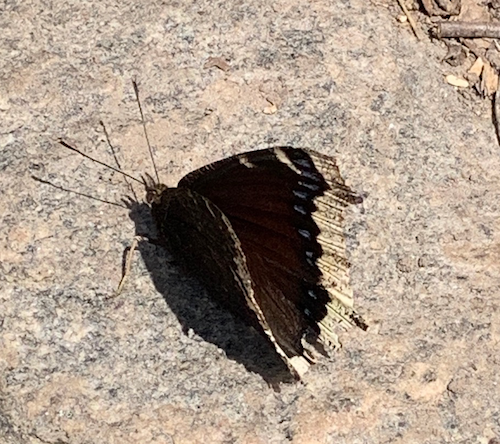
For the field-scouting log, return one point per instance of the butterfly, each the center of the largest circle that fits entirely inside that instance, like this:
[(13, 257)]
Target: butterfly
[(263, 232)]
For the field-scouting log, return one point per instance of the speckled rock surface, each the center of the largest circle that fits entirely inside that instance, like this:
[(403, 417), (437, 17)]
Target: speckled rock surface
[(155, 364)]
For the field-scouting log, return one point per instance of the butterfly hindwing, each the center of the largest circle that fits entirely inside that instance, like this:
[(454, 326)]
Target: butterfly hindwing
[(196, 232), (198, 235)]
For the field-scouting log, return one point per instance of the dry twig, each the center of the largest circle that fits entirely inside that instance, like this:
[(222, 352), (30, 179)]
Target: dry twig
[(411, 21), (468, 30), (496, 111)]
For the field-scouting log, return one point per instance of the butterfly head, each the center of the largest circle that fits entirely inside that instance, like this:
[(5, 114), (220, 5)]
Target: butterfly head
[(153, 188)]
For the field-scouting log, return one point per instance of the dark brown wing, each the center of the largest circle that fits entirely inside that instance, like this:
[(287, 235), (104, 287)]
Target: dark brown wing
[(286, 208), (198, 234)]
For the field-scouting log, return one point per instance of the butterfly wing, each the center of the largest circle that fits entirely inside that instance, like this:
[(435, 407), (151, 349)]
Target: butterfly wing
[(286, 208), (198, 234)]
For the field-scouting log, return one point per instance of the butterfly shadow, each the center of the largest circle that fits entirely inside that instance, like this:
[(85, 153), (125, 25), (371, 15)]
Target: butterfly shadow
[(197, 312)]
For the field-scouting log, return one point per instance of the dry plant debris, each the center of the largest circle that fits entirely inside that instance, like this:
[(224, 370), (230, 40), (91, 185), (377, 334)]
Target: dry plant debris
[(218, 62), (469, 29)]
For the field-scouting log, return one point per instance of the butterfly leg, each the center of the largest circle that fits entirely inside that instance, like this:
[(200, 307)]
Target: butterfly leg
[(127, 264)]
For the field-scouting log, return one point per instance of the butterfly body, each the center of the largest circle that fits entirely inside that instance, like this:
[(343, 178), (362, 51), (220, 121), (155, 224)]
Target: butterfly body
[(263, 233)]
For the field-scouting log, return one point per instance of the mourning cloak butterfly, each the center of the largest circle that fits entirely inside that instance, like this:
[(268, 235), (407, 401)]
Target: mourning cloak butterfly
[(263, 232)]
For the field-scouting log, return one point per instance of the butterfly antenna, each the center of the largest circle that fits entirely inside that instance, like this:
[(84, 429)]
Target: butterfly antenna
[(136, 90), (116, 170), (130, 187), (67, 190)]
